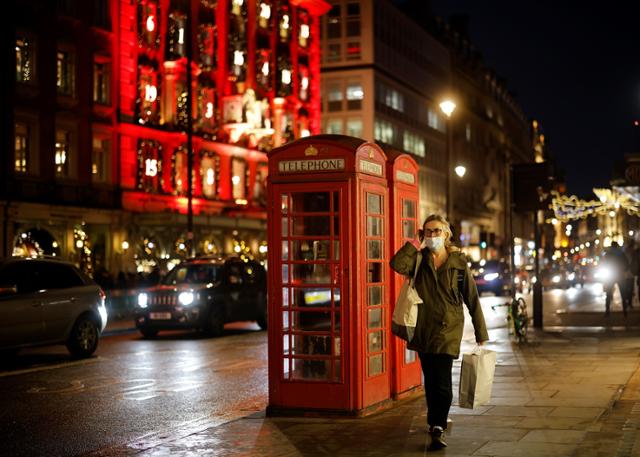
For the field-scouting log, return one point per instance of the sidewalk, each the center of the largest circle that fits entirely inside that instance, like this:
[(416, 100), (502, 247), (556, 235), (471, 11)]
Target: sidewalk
[(561, 394)]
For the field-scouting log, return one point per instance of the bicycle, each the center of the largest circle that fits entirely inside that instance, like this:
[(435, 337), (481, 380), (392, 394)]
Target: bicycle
[(517, 317)]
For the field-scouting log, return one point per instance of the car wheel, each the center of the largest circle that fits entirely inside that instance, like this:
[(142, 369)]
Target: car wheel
[(84, 336), (149, 332), (215, 321)]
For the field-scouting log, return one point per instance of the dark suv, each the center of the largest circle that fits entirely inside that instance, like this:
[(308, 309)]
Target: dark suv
[(204, 294), (48, 301), (492, 276)]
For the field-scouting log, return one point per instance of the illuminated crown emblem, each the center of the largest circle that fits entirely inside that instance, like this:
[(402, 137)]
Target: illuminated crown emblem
[(311, 151)]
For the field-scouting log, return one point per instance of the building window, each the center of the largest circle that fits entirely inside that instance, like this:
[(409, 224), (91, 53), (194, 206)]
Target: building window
[(354, 127), (148, 23), (334, 26), (353, 19), (65, 72), (207, 108), (334, 126), (355, 94), (63, 153), (260, 184), (100, 156), (239, 180), (206, 46), (334, 97), (386, 132), (209, 173), (25, 59), (176, 36), (22, 146), (304, 30), (334, 52), (179, 174), (101, 14), (149, 166), (101, 81), (148, 95), (414, 144), (353, 50)]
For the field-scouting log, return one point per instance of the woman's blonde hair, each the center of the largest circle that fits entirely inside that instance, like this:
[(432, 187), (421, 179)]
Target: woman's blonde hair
[(447, 230)]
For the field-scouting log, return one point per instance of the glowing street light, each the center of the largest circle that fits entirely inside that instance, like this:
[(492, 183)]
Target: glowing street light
[(448, 107), (460, 170)]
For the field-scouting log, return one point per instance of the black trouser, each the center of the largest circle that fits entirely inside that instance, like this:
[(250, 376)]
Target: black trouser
[(436, 369)]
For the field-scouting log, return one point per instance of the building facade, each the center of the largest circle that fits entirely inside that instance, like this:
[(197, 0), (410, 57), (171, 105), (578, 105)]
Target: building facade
[(383, 77), (97, 168)]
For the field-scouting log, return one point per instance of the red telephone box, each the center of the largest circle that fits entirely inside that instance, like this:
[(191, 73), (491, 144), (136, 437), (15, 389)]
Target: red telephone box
[(404, 197), (328, 276)]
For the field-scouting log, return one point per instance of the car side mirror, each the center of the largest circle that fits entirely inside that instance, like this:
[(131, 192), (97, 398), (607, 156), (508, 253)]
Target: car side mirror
[(8, 289)]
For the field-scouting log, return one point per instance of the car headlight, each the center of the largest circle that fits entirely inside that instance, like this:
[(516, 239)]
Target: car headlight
[(571, 276), (143, 299), (556, 278), (603, 273), (185, 298), (491, 276)]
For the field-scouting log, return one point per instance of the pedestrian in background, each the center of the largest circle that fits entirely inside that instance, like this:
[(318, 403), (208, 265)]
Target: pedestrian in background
[(443, 282), (617, 267), (633, 256)]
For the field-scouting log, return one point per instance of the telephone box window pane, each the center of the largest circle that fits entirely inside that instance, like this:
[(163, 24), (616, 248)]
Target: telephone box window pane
[(336, 346), (285, 346), (284, 204), (374, 271), (285, 274), (336, 250), (311, 321), (374, 249), (285, 227), (311, 369), (408, 229), (336, 226), (374, 226), (374, 204), (285, 297), (311, 345), (315, 297), (312, 225), (285, 250), (312, 274), (375, 318), (375, 341), (317, 202), (409, 355), (337, 373), (376, 365), (310, 250), (285, 369), (336, 201), (408, 208), (375, 296)]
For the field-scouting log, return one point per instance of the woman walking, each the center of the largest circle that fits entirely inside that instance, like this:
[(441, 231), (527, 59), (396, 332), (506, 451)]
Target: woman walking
[(443, 282)]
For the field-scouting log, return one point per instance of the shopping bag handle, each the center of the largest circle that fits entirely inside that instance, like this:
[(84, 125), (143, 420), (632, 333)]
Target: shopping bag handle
[(415, 271)]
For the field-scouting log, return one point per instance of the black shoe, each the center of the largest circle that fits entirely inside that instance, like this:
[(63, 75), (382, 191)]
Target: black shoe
[(437, 438)]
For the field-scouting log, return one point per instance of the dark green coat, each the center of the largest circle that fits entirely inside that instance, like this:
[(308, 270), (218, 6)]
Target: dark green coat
[(440, 316)]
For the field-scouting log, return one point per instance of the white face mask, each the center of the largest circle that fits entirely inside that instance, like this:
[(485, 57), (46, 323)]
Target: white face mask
[(435, 243)]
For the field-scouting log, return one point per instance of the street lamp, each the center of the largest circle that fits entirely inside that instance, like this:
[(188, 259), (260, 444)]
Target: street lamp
[(461, 170), (448, 107)]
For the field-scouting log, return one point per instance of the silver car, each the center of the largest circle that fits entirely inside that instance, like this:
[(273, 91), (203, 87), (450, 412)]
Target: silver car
[(47, 301)]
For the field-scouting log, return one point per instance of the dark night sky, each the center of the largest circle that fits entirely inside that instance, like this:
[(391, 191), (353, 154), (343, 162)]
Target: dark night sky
[(574, 66)]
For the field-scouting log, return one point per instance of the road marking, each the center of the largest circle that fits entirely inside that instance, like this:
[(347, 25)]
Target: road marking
[(51, 367)]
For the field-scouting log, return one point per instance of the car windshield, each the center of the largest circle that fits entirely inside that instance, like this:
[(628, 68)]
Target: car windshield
[(192, 273)]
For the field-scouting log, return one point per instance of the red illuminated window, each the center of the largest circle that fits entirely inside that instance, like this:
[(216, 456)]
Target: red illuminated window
[(209, 173), (284, 24), (304, 82), (206, 108), (263, 69), (207, 46), (148, 95), (264, 12), (239, 180), (179, 172), (304, 29), (148, 23), (260, 184), (176, 36), (149, 166)]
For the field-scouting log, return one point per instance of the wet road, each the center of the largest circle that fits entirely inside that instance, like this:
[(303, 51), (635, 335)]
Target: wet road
[(137, 393), (134, 391)]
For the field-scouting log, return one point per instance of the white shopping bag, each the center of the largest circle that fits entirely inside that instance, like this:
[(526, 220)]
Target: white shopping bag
[(476, 377), (405, 313)]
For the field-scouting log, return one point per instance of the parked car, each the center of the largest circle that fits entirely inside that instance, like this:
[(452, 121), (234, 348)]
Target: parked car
[(47, 301), (557, 277), (492, 276), (204, 294)]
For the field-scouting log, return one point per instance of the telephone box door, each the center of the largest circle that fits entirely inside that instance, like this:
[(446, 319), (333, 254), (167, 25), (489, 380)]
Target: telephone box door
[(311, 310), (375, 293)]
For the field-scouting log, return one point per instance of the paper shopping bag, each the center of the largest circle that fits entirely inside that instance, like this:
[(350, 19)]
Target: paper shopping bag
[(476, 378)]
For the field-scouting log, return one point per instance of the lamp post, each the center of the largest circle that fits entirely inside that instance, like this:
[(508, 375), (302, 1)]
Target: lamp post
[(448, 107)]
